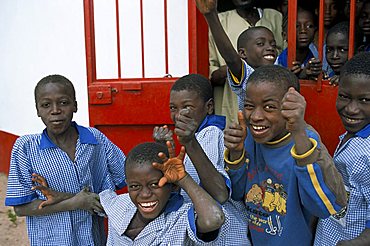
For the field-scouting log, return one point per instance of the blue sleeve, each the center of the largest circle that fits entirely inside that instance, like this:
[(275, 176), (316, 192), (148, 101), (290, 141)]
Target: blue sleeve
[(19, 180), (238, 179), (314, 193), (116, 164)]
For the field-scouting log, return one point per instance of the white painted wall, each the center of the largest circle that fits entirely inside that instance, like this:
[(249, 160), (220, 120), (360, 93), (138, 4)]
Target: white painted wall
[(42, 37)]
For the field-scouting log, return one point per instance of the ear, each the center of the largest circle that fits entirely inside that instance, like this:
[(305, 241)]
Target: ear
[(75, 105), (210, 106), (242, 53), (37, 110)]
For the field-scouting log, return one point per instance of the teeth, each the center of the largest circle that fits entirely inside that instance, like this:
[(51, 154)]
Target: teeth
[(351, 120), (258, 127), (148, 204), (269, 57)]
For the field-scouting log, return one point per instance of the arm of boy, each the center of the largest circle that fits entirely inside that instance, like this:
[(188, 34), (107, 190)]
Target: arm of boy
[(209, 9), (235, 135), (210, 216), (362, 240), (58, 201), (212, 181), (305, 151)]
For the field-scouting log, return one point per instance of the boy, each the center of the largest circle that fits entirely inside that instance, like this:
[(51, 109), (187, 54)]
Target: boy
[(153, 212), (351, 226), (336, 50), (245, 15), (73, 159), (201, 132), (276, 165), (256, 47), (306, 65)]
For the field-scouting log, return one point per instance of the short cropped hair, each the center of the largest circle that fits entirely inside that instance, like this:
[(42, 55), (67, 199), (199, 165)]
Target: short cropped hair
[(247, 34), (341, 27), (280, 76), (358, 66), (57, 79), (196, 83), (145, 154)]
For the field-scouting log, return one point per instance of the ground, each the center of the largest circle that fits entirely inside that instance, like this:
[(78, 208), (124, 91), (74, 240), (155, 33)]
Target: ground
[(11, 233)]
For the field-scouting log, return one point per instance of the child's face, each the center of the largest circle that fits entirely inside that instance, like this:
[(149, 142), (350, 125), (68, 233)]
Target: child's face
[(336, 51), (331, 12), (55, 105), (353, 102), (364, 19), (243, 3), (148, 197), (260, 49), (305, 29), (262, 112), (184, 99)]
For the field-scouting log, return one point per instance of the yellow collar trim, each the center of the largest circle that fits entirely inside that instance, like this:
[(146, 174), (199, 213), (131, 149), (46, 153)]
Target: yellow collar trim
[(279, 140)]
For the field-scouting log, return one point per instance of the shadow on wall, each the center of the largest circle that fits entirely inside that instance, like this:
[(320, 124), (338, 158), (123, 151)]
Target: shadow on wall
[(7, 140)]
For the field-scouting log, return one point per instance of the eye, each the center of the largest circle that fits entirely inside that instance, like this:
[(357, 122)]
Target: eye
[(310, 26), (154, 185), (248, 106), (343, 50), (45, 105), (365, 100), (64, 102), (133, 187), (344, 97), (260, 43), (172, 108), (329, 49), (270, 107)]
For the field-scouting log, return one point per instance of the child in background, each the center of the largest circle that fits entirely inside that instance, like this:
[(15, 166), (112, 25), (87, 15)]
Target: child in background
[(351, 226), (336, 51), (364, 26), (201, 132), (73, 159), (306, 65), (153, 212), (256, 47), (277, 164)]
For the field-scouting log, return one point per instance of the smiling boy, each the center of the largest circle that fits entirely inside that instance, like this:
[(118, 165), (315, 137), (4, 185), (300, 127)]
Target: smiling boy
[(276, 163), (351, 226), (153, 211)]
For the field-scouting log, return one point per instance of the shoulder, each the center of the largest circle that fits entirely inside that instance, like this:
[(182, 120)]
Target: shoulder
[(272, 13), (27, 140), (111, 201)]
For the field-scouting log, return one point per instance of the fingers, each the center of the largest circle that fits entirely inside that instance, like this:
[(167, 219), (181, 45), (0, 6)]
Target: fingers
[(39, 179), (242, 121), (162, 181), (182, 153)]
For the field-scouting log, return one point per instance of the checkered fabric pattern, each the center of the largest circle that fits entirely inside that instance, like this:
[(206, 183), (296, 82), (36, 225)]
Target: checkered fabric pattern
[(353, 162), (98, 164)]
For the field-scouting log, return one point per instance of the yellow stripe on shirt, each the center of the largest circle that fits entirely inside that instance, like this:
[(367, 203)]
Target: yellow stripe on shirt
[(319, 190)]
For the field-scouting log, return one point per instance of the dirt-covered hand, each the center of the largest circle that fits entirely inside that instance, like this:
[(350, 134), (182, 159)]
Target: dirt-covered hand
[(185, 127), (293, 109), (235, 134), (206, 6)]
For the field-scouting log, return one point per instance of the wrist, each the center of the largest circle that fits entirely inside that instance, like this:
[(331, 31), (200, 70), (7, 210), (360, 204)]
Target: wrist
[(234, 157)]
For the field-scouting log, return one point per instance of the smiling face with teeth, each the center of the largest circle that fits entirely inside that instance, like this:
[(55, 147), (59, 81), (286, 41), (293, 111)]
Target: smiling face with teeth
[(353, 102), (257, 46), (262, 111), (142, 182)]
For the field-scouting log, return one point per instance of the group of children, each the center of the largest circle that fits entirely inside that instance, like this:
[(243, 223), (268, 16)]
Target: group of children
[(266, 179)]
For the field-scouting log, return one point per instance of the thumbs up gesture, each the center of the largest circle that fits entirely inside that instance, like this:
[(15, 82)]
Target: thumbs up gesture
[(235, 135)]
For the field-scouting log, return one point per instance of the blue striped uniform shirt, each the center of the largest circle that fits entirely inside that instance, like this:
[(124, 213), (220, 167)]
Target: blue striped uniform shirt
[(175, 226), (98, 165), (352, 160), (211, 139)]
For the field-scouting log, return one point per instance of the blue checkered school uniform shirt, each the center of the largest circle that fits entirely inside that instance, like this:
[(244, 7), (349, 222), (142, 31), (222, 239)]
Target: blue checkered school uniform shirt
[(98, 164), (353, 162), (175, 226), (211, 139)]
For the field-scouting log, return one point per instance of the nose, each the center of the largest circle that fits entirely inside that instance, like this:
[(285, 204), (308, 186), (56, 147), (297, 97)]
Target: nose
[(335, 54), (55, 109), (145, 192), (352, 107), (257, 115)]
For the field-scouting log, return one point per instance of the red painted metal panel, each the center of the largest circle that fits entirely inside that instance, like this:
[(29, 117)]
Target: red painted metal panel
[(7, 140)]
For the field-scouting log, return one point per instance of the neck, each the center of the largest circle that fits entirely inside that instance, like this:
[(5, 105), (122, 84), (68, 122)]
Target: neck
[(250, 14)]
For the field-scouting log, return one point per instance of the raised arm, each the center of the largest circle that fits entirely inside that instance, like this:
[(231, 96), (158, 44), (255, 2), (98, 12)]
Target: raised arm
[(209, 9), (212, 181), (210, 216)]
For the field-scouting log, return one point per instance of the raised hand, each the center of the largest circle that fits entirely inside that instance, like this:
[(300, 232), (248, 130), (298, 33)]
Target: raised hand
[(296, 67), (185, 127), (52, 196), (293, 109), (173, 167), (235, 134), (163, 134), (206, 6)]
